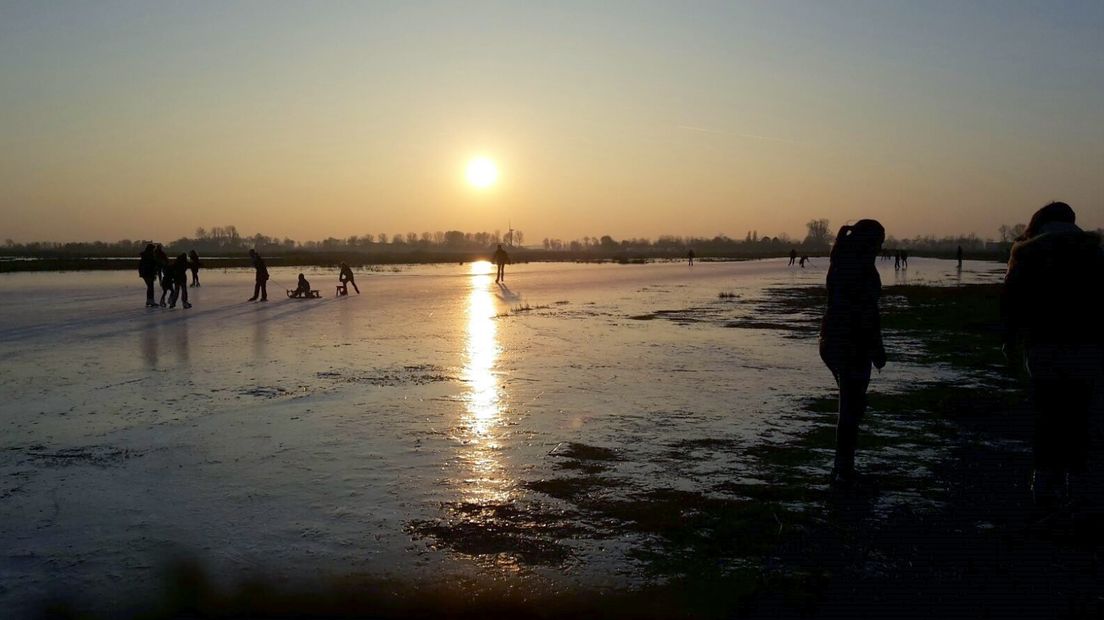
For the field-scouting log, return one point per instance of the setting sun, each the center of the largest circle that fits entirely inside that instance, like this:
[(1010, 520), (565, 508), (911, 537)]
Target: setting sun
[(482, 172)]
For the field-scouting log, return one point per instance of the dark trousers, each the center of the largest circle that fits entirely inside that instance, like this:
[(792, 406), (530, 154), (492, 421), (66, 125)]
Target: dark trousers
[(501, 273), (260, 288), (852, 407), (180, 291), (348, 283), (1061, 437), (149, 289)]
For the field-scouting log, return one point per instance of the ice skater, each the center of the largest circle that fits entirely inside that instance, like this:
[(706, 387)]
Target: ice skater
[(804, 259), (690, 256), (163, 273), (1054, 298), (346, 279), (148, 270), (193, 264), (500, 259), (178, 273), (793, 256), (958, 255), (851, 334), (260, 286)]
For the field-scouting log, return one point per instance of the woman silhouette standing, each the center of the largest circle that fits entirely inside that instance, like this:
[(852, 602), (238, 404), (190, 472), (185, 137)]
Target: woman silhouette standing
[(851, 333)]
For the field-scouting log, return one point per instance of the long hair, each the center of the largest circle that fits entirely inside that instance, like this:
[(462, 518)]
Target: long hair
[(1053, 212), (859, 240)]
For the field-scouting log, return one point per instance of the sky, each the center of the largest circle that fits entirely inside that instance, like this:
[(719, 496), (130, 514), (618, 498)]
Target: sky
[(146, 120)]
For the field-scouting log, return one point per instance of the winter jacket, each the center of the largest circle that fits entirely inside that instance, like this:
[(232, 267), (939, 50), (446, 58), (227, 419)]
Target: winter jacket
[(851, 332), (147, 266), (1054, 289)]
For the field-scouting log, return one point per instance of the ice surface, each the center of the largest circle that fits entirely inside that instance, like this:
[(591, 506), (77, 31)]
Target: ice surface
[(304, 435)]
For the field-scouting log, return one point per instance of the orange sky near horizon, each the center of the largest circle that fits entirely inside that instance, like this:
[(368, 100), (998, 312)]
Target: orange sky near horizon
[(146, 121)]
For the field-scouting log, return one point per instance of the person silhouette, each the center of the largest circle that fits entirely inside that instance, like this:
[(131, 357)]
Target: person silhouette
[(851, 334), (1053, 299), (178, 272), (804, 259), (303, 289), (194, 264), (260, 287), (346, 278), (904, 259), (163, 273), (501, 258), (958, 255), (897, 260), (148, 270), (690, 256), (793, 256)]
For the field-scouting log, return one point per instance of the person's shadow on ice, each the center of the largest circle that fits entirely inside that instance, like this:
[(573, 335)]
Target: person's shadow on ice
[(505, 294)]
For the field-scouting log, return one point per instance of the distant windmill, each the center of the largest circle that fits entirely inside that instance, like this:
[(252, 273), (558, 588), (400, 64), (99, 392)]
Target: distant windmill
[(510, 234)]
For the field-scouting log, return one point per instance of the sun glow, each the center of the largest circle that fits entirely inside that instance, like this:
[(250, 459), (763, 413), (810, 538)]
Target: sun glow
[(482, 172)]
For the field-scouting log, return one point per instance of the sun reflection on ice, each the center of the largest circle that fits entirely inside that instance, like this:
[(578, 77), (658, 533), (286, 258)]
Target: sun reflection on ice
[(482, 418)]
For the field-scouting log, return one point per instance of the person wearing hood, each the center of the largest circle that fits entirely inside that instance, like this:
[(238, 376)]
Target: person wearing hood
[(1053, 301), (851, 334), (147, 270)]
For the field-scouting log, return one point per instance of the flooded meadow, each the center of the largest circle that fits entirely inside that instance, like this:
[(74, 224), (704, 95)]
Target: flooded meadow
[(581, 425)]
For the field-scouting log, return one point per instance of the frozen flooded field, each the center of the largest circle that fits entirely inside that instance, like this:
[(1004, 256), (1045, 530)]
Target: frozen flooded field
[(363, 434)]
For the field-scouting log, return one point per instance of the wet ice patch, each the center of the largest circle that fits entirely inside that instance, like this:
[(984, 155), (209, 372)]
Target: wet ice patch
[(418, 374)]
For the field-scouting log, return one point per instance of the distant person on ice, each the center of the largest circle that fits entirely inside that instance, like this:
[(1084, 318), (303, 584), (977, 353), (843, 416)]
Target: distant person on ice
[(261, 285), (804, 259), (193, 264), (690, 256), (500, 259), (851, 333), (958, 255), (1054, 299), (163, 273), (793, 257), (178, 271), (346, 279), (148, 270), (303, 289)]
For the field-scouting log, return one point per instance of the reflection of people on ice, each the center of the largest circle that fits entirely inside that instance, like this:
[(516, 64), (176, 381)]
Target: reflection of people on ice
[(260, 287), (346, 279), (500, 259)]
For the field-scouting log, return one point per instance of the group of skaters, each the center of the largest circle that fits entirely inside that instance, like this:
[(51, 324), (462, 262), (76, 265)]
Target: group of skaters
[(155, 266), (1051, 304), (1051, 307), (794, 259)]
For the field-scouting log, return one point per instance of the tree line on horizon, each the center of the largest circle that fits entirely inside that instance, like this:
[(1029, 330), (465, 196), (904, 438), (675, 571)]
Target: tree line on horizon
[(228, 241)]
